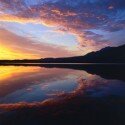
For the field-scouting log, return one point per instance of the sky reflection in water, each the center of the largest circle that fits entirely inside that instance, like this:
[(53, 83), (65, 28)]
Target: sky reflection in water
[(36, 84)]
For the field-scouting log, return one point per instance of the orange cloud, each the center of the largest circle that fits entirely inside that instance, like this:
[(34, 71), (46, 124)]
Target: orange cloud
[(16, 47), (72, 20), (12, 18)]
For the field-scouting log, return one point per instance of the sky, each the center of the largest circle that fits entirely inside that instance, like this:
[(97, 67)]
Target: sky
[(32, 29)]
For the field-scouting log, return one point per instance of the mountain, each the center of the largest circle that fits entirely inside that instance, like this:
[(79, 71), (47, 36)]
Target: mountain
[(105, 55)]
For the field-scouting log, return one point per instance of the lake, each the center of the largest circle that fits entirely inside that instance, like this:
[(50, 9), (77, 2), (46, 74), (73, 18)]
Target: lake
[(62, 94)]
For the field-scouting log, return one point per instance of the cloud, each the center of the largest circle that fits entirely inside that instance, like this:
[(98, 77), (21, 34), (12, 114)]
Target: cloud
[(76, 17), (29, 48)]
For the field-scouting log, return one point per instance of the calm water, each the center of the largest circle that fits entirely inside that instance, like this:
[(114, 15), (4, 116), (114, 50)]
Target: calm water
[(39, 84), (36, 84)]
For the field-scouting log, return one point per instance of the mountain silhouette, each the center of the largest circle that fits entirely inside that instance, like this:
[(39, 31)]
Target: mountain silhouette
[(105, 55)]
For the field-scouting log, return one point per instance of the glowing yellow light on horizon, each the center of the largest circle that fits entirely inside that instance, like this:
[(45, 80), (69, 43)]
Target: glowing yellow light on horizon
[(9, 54), (6, 53)]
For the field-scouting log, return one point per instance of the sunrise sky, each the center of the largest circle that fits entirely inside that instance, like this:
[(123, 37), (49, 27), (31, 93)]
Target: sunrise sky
[(57, 28)]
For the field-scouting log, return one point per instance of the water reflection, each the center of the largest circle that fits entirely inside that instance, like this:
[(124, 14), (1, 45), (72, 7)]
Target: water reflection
[(36, 84), (67, 87), (19, 81)]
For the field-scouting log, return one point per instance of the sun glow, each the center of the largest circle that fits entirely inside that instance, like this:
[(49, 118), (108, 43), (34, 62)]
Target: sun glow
[(9, 54), (6, 53)]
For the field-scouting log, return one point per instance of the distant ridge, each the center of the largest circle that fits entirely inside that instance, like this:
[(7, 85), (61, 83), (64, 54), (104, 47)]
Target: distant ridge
[(105, 55)]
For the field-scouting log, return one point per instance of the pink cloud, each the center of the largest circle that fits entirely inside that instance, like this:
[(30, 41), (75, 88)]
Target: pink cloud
[(31, 48)]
